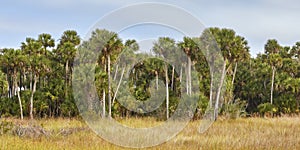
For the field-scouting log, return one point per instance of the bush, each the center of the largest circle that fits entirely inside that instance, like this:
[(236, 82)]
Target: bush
[(235, 109), (266, 108), (5, 127)]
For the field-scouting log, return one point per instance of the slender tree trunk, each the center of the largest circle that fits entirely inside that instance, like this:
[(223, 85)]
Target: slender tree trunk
[(187, 79), (167, 91), (234, 73), (24, 80), (212, 67), (272, 85), (211, 90), (31, 97), (172, 82), (8, 87), (13, 87), (116, 72), (30, 84), (109, 86), (115, 95), (70, 72), (180, 76), (103, 103), (20, 85), (156, 74), (104, 98), (66, 79), (190, 75), (219, 91), (19, 98)]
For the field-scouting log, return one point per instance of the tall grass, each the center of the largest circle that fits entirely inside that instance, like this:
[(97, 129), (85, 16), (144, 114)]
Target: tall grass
[(250, 133)]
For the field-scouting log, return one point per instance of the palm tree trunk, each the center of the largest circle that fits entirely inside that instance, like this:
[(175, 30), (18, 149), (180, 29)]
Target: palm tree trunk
[(13, 87), (167, 91), (115, 95), (234, 73), (66, 79), (173, 72), (30, 84), (272, 85), (24, 81), (31, 97), (219, 91), (8, 87), (211, 90), (180, 76), (20, 101), (103, 103), (156, 74), (190, 75), (116, 72), (187, 79), (109, 86), (21, 82)]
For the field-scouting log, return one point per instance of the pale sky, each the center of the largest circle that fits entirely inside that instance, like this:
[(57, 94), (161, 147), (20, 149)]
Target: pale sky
[(256, 20)]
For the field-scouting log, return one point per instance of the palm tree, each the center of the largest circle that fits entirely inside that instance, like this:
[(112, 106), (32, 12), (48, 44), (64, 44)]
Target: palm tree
[(272, 49), (14, 60), (3, 84), (188, 45), (241, 54), (47, 41), (38, 66), (130, 47), (65, 52), (231, 46), (110, 45), (113, 45), (166, 48)]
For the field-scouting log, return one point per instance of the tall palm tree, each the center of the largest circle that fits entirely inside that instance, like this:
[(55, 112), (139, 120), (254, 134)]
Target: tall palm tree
[(113, 45), (188, 45), (14, 60), (47, 41), (231, 46), (110, 45), (65, 52), (272, 49), (33, 50), (3, 84), (241, 54), (166, 48)]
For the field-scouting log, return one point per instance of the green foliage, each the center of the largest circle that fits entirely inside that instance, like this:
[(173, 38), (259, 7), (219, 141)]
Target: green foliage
[(5, 127), (235, 109), (3, 84), (266, 108), (249, 80)]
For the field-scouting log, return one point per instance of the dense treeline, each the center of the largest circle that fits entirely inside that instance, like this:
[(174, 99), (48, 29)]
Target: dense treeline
[(36, 80)]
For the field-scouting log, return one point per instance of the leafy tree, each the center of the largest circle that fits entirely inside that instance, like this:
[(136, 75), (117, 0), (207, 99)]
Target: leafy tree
[(272, 49), (13, 60), (65, 53), (234, 48)]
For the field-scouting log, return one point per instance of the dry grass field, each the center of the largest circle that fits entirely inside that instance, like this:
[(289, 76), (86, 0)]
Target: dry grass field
[(248, 133)]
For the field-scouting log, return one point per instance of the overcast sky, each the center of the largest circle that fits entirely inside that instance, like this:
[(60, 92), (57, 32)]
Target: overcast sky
[(256, 20)]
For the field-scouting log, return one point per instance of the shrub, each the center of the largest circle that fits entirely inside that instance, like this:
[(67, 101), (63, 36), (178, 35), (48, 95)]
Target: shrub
[(5, 127), (235, 109), (266, 108)]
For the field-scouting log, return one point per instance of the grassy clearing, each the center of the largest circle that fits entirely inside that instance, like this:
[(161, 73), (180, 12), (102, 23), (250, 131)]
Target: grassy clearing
[(250, 133)]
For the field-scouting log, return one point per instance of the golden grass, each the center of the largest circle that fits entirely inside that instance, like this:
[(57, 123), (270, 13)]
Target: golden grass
[(250, 133)]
